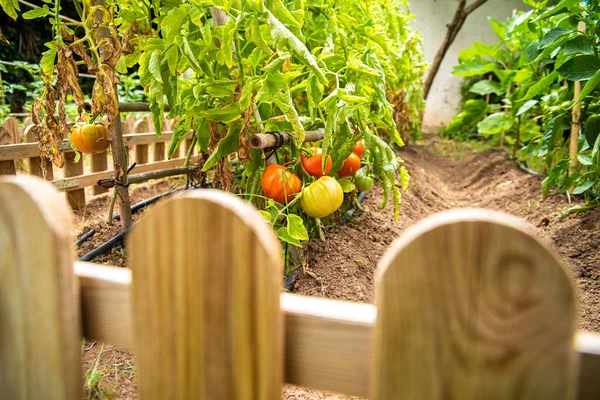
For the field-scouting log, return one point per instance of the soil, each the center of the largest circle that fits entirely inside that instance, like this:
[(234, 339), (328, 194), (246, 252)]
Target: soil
[(345, 263)]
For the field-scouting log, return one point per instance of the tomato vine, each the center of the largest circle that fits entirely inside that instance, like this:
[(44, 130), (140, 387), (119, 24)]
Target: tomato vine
[(350, 68)]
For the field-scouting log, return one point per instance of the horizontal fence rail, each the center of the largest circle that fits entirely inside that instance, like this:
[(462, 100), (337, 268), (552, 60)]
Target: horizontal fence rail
[(469, 305), (20, 151), (327, 342)]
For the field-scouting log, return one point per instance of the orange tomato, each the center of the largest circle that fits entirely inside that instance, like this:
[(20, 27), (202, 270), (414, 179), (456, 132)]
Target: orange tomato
[(279, 184), (351, 165), (314, 164), (89, 139), (359, 149)]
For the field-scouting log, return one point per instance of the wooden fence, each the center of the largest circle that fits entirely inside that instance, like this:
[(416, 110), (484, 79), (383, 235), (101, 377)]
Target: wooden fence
[(469, 306), (19, 151)]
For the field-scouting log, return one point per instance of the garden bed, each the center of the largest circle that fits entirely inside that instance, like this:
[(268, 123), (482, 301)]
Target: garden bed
[(344, 264)]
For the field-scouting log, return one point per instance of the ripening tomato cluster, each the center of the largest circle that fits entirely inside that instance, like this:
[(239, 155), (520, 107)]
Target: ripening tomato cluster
[(325, 195)]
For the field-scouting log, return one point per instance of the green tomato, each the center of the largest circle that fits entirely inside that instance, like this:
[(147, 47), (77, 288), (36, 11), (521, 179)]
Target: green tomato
[(363, 180)]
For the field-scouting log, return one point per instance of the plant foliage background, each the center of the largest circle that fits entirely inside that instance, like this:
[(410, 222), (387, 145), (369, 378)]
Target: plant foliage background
[(528, 78)]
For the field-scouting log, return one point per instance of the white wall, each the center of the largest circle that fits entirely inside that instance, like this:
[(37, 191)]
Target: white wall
[(431, 18)]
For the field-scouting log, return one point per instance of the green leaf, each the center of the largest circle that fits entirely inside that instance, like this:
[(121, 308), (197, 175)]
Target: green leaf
[(585, 160), (553, 35), (283, 100), (171, 23), (473, 67), (347, 185), (532, 50), (10, 7), (541, 85), (47, 61), (257, 37), (589, 87), (484, 87), (584, 187), (180, 131), (154, 66), (580, 68), (559, 8), (37, 13), (404, 178), (283, 36), (526, 107), (296, 228), (266, 215), (225, 114), (229, 31), (283, 234), (579, 45), (495, 124)]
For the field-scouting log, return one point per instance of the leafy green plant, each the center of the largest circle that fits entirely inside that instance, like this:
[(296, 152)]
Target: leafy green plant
[(350, 68), (540, 55)]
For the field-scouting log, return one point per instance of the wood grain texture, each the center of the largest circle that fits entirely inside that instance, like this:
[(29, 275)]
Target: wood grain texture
[(12, 126), (7, 167), (141, 150), (40, 335), (76, 197), (327, 342), (35, 163), (205, 294), (471, 306)]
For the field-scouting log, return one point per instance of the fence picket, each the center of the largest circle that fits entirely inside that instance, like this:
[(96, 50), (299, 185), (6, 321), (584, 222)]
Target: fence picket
[(39, 299), (205, 305), (75, 198), (12, 125), (7, 167), (141, 150), (471, 306)]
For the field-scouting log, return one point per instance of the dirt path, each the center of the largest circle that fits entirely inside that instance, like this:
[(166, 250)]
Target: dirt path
[(346, 261), (489, 180)]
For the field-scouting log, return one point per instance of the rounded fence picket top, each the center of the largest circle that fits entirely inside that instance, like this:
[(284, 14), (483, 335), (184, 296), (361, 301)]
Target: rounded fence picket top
[(206, 281), (470, 305), (40, 334)]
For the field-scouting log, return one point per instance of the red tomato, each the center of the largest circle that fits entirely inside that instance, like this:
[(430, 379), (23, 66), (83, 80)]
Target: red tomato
[(351, 165), (359, 149), (314, 164), (275, 179)]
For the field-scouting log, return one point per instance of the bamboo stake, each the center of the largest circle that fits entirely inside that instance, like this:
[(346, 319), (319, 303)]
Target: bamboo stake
[(575, 125), (261, 141)]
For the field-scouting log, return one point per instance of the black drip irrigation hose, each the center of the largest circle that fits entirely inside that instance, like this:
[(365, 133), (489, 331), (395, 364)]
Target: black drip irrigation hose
[(118, 238), (291, 278), (85, 237), (134, 209)]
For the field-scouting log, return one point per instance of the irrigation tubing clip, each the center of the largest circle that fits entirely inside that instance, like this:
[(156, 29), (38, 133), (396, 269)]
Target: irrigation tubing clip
[(279, 141), (108, 183)]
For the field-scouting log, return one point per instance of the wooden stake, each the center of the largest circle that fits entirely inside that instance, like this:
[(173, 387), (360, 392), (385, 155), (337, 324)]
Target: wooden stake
[(120, 155), (575, 124)]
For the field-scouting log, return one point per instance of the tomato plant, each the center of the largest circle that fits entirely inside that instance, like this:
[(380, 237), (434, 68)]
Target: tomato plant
[(229, 69), (529, 80)]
